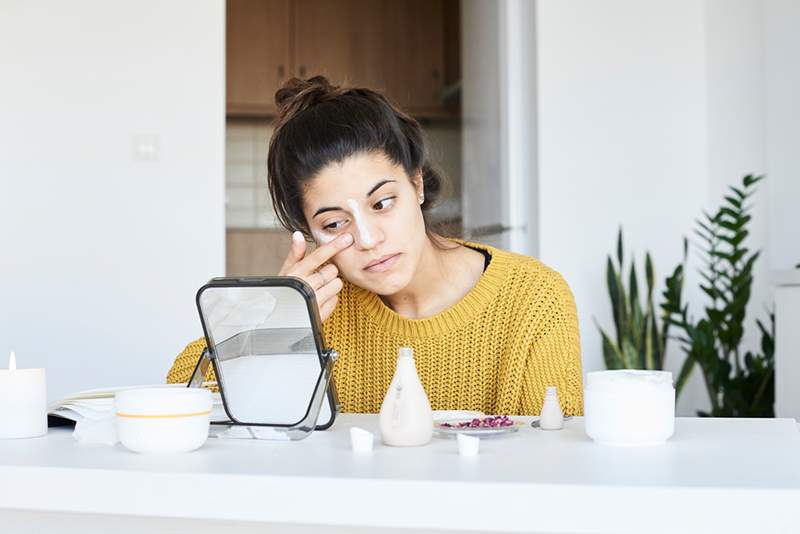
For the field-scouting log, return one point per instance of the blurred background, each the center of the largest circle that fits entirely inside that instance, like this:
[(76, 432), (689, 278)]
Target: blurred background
[(133, 141)]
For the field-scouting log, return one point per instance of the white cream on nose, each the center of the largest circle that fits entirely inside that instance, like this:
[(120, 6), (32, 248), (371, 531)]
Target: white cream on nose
[(361, 225)]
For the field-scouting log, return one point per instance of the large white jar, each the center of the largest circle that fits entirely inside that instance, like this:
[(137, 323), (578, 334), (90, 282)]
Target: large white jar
[(406, 418), (629, 407)]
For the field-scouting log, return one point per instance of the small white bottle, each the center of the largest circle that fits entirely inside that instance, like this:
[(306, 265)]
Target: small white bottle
[(406, 418), (551, 418)]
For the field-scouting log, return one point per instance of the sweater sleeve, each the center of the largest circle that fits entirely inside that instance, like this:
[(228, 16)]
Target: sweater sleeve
[(554, 357), (186, 361)]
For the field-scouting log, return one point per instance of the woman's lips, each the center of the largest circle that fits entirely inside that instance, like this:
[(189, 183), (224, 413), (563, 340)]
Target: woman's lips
[(383, 264)]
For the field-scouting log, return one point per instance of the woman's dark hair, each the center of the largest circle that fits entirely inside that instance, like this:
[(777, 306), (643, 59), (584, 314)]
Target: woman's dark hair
[(319, 124)]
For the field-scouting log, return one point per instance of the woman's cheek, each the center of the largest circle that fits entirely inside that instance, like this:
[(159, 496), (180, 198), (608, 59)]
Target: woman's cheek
[(321, 238), (345, 262)]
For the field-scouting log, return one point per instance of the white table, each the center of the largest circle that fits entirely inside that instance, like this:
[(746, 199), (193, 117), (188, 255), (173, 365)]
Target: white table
[(715, 475)]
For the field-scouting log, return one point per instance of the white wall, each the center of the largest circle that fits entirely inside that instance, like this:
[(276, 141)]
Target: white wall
[(622, 140), (102, 252), (782, 98), (648, 111)]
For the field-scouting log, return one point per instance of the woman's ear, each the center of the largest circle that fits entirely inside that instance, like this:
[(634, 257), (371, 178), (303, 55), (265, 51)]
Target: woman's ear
[(419, 186)]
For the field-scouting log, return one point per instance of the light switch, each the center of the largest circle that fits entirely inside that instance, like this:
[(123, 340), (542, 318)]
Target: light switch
[(146, 147)]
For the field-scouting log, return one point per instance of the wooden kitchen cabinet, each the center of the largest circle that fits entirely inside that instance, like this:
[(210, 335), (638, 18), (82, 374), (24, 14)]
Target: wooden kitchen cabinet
[(400, 47), (344, 40), (257, 51), (419, 55)]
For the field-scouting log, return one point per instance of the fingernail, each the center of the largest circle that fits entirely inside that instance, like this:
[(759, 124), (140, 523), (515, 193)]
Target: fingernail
[(298, 236), (347, 239)]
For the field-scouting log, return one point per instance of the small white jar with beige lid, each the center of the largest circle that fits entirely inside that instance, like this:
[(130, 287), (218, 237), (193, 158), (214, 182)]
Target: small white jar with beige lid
[(163, 420)]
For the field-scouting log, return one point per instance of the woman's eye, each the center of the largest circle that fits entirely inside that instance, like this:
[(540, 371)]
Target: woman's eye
[(384, 203), (335, 225)]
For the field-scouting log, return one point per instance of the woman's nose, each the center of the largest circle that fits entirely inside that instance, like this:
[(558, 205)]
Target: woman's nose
[(369, 234), (366, 231)]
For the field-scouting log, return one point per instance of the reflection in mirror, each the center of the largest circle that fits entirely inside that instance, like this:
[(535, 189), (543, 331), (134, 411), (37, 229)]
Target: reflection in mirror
[(266, 354)]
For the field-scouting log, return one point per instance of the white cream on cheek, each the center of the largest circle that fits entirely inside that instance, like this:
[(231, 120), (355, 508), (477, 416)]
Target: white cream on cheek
[(322, 238), (363, 231)]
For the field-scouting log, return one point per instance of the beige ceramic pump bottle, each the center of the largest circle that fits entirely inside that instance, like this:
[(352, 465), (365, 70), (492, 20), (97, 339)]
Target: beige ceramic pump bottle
[(406, 419)]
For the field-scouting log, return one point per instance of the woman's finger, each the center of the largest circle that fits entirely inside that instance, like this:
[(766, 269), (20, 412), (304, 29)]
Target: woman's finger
[(296, 253), (328, 291), (326, 309), (321, 277), (323, 253)]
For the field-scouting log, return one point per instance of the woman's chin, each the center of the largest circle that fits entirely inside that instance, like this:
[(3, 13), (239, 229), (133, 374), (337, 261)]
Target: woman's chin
[(384, 283)]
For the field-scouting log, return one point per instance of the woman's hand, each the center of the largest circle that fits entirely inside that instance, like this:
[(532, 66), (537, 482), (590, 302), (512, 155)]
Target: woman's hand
[(323, 280)]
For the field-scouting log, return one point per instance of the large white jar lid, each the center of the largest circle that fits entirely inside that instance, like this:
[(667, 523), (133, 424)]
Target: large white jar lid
[(628, 378)]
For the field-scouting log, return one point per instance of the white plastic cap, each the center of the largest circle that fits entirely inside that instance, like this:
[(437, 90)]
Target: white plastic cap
[(552, 390), (361, 440), (468, 445), (406, 351)]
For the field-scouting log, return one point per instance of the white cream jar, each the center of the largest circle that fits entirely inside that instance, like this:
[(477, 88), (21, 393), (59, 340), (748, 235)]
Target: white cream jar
[(163, 420), (629, 407)]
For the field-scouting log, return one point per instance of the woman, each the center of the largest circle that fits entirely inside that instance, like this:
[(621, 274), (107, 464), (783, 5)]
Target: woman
[(491, 329)]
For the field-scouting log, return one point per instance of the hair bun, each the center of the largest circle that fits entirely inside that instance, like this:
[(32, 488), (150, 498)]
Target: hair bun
[(298, 94)]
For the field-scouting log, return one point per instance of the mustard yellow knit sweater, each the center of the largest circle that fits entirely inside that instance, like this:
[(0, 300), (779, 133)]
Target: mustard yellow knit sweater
[(512, 335)]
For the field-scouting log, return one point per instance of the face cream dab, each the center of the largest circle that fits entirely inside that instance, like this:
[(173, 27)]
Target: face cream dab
[(363, 231)]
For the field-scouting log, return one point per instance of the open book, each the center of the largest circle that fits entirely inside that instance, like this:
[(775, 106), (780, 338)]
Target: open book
[(99, 403)]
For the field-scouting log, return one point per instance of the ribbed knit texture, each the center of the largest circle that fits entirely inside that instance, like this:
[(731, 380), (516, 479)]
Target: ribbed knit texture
[(496, 350)]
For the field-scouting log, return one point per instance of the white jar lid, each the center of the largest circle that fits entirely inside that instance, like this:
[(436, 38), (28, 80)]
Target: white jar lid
[(628, 378), (163, 401)]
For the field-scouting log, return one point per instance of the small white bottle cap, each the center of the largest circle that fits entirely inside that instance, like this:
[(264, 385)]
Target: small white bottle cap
[(468, 445), (406, 351), (361, 440)]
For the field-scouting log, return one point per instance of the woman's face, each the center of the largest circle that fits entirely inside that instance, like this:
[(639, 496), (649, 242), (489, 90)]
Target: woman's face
[(375, 200)]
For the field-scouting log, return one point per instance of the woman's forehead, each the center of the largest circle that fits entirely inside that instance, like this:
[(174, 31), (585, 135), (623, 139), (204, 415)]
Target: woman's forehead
[(353, 177)]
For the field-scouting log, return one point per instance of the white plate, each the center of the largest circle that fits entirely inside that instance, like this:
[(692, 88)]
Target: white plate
[(481, 432), (448, 415)]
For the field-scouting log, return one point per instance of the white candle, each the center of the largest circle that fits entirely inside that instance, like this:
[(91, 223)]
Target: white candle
[(23, 401)]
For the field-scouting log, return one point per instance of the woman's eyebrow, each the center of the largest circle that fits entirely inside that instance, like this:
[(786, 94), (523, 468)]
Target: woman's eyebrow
[(336, 208), (379, 185), (323, 210)]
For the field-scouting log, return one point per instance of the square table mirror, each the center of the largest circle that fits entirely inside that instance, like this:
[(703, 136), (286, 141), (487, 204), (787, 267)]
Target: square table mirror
[(265, 343)]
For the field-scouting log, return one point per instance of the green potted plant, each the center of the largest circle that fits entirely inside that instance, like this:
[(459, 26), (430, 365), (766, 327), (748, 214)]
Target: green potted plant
[(641, 332), (738, 384)]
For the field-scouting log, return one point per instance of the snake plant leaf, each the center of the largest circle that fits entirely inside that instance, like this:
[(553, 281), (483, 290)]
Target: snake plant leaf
[(611, 353), (619, 248), (629, 354), (657, 342), (648, 357), (633, 285), (617, 299), (636, 317)]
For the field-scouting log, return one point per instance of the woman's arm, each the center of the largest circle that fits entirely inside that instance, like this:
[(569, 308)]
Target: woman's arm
[(184, 364), (554, 356)]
